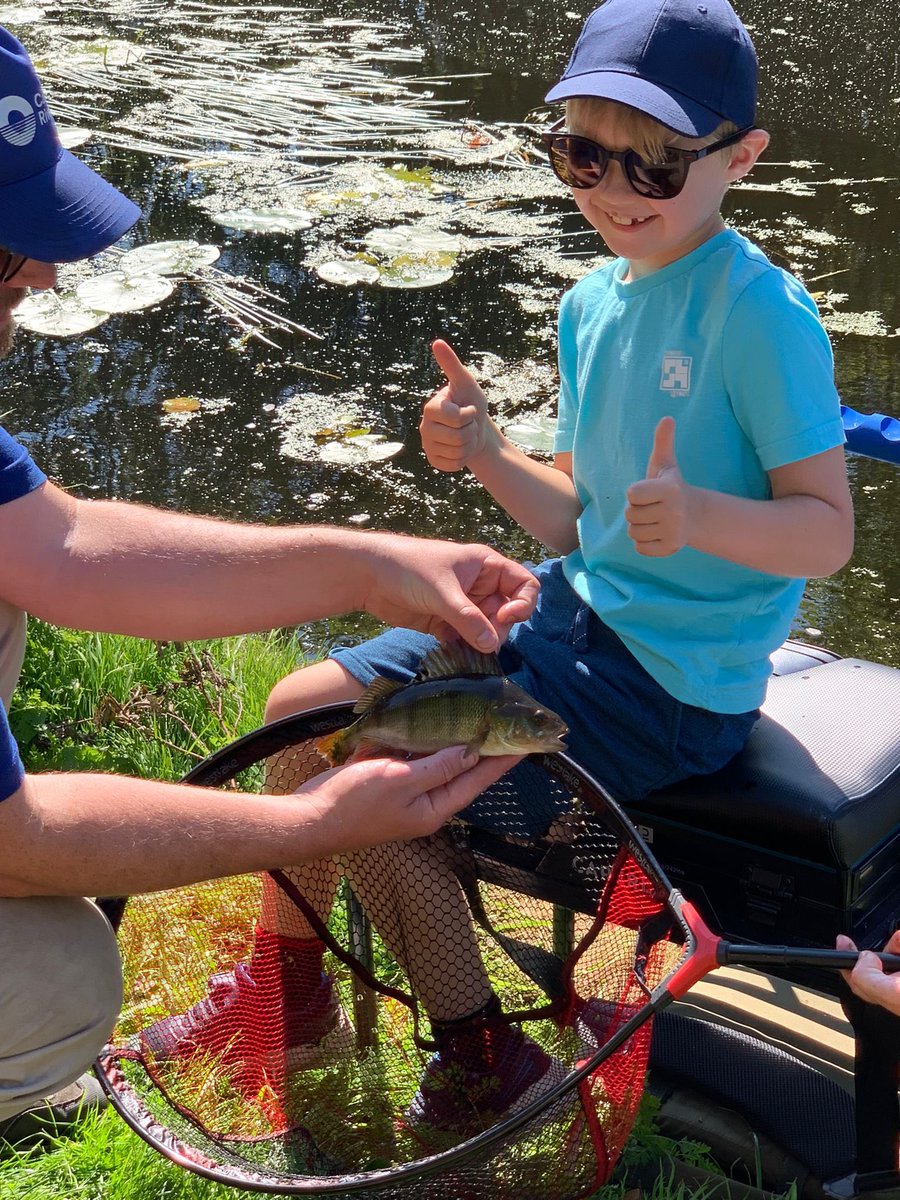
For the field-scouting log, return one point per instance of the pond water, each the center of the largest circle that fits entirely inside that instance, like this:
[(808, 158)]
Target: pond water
[(91, 407)]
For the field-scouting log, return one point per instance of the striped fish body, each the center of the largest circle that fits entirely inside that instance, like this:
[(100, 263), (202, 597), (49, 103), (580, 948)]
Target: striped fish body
[(483, 711)]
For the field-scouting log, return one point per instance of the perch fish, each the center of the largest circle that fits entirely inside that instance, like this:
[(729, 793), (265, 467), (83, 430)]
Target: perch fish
[(458, 698)]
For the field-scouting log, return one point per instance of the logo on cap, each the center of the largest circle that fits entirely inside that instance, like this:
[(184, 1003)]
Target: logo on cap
[(21, 129)]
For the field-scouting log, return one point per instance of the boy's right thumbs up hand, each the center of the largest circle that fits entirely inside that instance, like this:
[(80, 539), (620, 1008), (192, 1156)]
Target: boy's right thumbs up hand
[(455, 424)]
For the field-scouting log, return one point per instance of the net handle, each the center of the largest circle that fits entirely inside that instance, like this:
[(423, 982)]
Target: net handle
[(709, 951)]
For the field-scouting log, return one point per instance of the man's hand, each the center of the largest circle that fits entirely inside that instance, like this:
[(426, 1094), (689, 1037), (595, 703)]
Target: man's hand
[(455, 426), (448, 590), (868, 979), (386, 800), (658, 509)]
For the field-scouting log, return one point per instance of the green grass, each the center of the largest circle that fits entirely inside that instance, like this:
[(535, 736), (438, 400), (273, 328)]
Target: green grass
[(109, 1162)]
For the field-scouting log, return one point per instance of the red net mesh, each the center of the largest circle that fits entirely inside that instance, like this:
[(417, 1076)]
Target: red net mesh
[(366, 1020)]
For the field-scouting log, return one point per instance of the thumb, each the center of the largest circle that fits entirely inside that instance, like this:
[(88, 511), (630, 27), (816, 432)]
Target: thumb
[(445, 357), (662, 455)]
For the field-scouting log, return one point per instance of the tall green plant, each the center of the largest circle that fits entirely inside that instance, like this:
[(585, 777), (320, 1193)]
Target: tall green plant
[(92, 701)]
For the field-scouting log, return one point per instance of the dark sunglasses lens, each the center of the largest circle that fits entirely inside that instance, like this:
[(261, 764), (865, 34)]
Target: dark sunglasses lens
[(659, 181), (578, 162)]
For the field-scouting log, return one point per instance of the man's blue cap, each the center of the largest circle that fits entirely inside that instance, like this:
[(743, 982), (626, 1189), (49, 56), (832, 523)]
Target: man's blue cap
[(53, 207), (688, 64)]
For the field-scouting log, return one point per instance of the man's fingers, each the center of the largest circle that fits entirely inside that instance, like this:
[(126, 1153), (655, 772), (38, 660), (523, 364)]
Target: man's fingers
[(446, 359), (448, 798)]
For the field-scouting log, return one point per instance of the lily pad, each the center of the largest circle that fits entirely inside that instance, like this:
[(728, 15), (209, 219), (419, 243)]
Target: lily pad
[(169, 258), (364, 448), (413, 273), (347, 272), (533, 433), (266, 220), (118, 291), (74, 136), (412, 240), (58, 314)]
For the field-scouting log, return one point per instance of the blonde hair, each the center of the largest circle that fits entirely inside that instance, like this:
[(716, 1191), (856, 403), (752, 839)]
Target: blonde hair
[(642, 133)]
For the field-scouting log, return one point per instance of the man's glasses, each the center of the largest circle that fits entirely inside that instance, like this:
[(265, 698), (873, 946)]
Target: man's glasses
[(10, 265), (581, 163)]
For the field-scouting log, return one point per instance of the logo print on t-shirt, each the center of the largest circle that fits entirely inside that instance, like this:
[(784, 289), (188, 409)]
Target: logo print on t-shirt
[(676, 372)]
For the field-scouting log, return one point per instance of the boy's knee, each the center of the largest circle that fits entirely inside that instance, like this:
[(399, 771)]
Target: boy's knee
[(60, 996), (325, 682)]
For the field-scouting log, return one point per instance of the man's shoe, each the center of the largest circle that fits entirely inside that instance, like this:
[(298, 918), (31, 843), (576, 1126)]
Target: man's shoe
[(482, 1072), (263, 1033), (53, 1115)]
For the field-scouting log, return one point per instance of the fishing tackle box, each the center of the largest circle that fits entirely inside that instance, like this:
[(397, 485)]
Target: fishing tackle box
[(798, 838)]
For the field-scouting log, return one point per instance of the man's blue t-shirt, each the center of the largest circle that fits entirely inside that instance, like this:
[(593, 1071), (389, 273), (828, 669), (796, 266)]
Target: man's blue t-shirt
[(19, 475), (732, 348)]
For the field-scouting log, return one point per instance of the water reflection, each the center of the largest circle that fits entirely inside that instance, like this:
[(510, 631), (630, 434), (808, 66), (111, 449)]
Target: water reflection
[(91, 408)]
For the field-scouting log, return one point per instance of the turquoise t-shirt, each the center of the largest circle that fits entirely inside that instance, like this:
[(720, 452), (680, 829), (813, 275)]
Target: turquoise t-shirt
[(731, 347)]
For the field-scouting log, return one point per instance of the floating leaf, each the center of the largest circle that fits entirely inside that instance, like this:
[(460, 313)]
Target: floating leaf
[(181, 404), (21, 15), (58, 314), (412, 240), (266, 220), (367, 447), (347, 273), (117, 291), (533, 433), (341, 431), (73, 137), (169, 258), (413, 273)]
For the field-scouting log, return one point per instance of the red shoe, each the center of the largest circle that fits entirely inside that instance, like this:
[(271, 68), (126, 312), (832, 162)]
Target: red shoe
[(483, 1071), (264, 1027)]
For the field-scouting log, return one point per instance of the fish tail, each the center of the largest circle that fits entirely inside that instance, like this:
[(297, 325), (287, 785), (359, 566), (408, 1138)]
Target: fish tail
[(332, 747)]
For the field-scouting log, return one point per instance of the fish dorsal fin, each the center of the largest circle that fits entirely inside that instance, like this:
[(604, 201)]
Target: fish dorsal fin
[(379, 689), (448, 662)]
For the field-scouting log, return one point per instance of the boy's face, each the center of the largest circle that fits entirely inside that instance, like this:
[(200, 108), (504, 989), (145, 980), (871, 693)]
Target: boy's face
[(652, 233)]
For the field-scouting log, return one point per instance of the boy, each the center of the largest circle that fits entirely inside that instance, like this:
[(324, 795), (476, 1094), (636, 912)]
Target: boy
[(698, 479)]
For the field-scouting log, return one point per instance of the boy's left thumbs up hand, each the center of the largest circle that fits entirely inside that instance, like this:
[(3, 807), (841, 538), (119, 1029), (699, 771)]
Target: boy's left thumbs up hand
[(658, 506)]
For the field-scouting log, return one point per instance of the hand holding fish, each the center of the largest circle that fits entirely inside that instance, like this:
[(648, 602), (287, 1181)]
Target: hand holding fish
[(455, 426), (448, 590), (385, 800), (658, 510)]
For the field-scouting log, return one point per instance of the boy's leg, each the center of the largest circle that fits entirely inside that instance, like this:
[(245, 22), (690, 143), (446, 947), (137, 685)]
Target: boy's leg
[(414, 898), (60, 994), (277, 1011), (322, 683)]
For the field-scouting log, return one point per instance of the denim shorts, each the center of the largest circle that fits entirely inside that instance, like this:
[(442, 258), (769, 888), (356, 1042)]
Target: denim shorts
[(624, 729)]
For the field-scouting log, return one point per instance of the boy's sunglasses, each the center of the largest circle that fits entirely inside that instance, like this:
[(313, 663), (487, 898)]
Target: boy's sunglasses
[(10, 265), (581, 163)]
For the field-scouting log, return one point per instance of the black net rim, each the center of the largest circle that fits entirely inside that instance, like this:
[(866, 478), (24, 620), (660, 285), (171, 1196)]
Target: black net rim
[(248, 750)]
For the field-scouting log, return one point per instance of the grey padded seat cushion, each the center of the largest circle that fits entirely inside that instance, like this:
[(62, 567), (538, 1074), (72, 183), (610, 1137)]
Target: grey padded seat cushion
[(819, 778)]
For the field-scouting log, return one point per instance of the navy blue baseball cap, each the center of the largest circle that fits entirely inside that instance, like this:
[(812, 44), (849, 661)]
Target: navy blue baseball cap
[(53, 207), (689, 64)]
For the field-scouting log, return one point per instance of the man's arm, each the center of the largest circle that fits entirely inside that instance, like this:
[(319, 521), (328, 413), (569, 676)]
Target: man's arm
[(108, 835), (805, 530), (125, 568)]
